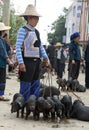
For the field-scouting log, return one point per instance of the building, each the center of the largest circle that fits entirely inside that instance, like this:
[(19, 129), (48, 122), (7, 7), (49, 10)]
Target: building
[(73, 19), (87, 20)]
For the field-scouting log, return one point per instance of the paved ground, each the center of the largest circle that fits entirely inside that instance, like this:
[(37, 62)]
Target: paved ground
[(8, 121)]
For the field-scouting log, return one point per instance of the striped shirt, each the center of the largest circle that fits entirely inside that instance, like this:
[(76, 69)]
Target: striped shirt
[(19, 42)]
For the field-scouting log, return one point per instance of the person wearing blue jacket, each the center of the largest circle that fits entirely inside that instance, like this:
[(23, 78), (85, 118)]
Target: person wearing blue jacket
[(74, 56), (29, 50), (4, 59), (86, 58)]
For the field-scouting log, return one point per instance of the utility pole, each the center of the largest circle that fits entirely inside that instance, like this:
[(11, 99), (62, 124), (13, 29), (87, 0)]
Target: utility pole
[(83, 20), (35, 2), (6, 12)]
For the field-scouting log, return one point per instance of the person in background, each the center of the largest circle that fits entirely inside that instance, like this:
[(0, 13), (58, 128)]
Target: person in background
[(29, 50), (5, 36), (61, 57), (74, 56), (86, 58), (51, 54), (4, 59)]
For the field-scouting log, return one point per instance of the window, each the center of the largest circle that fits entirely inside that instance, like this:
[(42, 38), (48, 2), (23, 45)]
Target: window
[(87, 2), (88, 17), (73, 27), (74, 11), (79, 0), (78, 15), (79, 7)]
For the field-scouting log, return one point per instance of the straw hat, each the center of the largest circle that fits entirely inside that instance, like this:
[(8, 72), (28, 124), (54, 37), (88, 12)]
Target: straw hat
[(30, 11), (58, 44), (4, 27)]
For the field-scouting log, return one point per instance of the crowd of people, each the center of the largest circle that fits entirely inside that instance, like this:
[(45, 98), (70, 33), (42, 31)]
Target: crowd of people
[(29, 51)]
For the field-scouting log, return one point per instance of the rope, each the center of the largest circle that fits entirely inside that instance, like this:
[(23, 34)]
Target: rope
[(28, 89), (48, 79), (76, 96), (73, 94)]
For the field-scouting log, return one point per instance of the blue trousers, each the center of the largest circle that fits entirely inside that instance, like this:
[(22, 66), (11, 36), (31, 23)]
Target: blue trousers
[(29, 88)]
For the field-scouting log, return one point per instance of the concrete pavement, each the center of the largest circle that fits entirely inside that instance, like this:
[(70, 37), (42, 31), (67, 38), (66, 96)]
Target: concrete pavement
[(10, 122)]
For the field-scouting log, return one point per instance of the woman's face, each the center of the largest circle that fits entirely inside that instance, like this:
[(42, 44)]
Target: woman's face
[(77, 39), (3, 32), (33, 20)]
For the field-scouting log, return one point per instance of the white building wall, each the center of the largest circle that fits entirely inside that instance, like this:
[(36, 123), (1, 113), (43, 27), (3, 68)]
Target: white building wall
[(73, 19), (87, 22)]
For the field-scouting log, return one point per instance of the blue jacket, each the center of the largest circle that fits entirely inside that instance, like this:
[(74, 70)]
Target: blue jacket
[(3, 53), (87, 53), (74, 51)]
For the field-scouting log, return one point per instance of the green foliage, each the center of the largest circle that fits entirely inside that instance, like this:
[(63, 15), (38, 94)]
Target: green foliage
[(16, 22), (58, 29)]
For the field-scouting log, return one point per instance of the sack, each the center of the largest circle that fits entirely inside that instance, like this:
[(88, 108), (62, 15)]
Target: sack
[(63, 58)]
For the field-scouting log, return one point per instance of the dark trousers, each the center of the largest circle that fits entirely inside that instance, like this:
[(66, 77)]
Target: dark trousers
[(2, 80), (87, 75), (60, 68), (73, 69), (32, 70), (52, 61)]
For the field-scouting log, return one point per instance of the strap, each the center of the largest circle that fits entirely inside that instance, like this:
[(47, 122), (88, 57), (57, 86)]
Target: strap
[(38, 42)]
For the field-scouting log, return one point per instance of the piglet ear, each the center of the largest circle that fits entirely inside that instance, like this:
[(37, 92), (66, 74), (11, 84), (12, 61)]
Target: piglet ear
[(20, 104)]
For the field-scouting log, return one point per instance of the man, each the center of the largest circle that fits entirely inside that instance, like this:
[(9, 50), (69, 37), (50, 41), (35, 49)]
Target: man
[(51, 54), (29, 50), (86, 58), (61, 57), (74, 56)]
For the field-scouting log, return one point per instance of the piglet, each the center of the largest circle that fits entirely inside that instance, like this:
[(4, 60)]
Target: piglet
[(49, 91), (42, 106), (18, 104), (67, 101), (30, 105)]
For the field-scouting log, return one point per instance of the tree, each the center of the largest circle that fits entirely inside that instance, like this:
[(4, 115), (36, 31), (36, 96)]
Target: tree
[(16, 22), (58, 29), (10, 19)]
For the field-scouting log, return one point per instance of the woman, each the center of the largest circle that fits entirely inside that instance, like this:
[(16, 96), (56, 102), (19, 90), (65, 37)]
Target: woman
[(4, 59), (74, 56), (29, 50)]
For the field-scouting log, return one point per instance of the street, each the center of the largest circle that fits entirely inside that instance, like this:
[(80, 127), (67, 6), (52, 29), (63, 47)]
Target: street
[(9, 121)]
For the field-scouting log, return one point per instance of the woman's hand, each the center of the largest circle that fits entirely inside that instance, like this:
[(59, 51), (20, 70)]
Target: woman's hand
[(73, 61), (22, 67), (47, 63), (10, 62)]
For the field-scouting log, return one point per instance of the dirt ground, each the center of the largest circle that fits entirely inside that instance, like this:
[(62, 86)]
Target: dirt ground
[(8, 120)]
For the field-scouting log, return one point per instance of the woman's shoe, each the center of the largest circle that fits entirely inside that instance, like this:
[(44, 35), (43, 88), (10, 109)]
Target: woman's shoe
[(4, 99)]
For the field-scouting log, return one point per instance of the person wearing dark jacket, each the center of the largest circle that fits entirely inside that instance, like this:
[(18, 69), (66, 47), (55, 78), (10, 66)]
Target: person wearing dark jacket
[(74, 56), (51, 54), (4, 59), (61, 58), (86, 57)]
